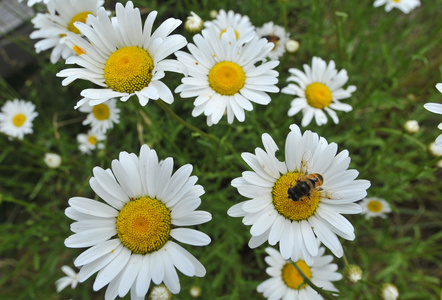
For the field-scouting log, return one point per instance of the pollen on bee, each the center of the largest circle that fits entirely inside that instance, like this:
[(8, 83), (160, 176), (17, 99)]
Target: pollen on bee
[(196, 63)]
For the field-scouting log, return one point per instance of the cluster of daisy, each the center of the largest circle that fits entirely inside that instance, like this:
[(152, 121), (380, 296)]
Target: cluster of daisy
[(133, 237)]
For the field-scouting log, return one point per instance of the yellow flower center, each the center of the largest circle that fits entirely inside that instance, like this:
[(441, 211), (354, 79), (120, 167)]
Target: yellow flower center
[(396, 0), (236, 33), (374, 206), (227, 78), (81, 17), (144, 225), (291, 276), (318, 95), (128, 70), (92, 139), (101, 112), (293, 210), (18, 120)]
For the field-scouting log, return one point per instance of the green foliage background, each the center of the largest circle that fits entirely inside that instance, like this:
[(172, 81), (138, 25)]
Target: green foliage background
[(394, 60)]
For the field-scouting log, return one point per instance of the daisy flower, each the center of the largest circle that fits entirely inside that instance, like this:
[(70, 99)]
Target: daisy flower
[(375, 207), (389, 291), (274, 34), (241, 24), (71, 279), (90, 141), (319, 89), (160, 292), (292, 46), (101, 117), (132, 238), (223, 76), (52, 160), (404, 5), (411, 126), (287, 283), (123, 57), (53, 27), (437, 109), (295, 217), (16, 118), (193, 23)]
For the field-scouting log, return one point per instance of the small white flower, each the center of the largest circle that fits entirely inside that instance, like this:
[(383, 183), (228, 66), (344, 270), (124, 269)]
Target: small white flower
[(101, 117), (274, 34), (53, 27), (71, 279), (389, 292), (317, 91), (375, 207), (292, 46), (124, 57), (90, 141), (437, 109), (404, 5), (16, 118), (223, 76), (241, 24), (213, 13), (195, 291), (52, 160), (160, 292), (411, 126), (194, 23), (287, 283), (353, 273), (294, 218), (435, 150)]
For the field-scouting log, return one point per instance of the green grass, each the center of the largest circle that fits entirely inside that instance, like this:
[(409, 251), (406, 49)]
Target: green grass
[(394, 60)]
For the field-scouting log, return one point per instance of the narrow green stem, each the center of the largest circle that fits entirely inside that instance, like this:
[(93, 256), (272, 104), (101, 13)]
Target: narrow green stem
[(402, 134), (190, 126), (338, 31), (321, 291)]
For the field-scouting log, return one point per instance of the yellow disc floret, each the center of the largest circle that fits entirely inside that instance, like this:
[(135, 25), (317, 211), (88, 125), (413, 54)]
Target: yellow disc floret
[(318, 95), (92, 139), (128, 70), (293, 210), (144, 225), (101, 112), (227, 78), (291, 276), (374, 206), (18, 120), (80, 17)]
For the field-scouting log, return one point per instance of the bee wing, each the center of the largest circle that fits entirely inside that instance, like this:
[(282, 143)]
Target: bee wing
[(305, 162)]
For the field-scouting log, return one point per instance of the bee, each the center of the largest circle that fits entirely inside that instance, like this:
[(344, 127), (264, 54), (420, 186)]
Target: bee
[(272, 39), (306, 184)]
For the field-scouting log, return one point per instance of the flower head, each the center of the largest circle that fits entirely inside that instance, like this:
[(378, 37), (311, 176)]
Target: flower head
[(223, 76), (71, 279), (53, 27), (160, 292), (317, 91), (411, 126), (437, 109), (102, 116), (404, 5), (292, 46), (375, 207), (90, 141), (52, 160), (295, 201), (241, 25), (287, 283), (389, 292), (124, 58), (16, 118), (435, 150), (193, 23), (353, 273), (274, 34), (132, 238)]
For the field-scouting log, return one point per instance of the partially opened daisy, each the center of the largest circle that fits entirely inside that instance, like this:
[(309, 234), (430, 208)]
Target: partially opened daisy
[(53, 27), (295, 201), (375, 207), (101, 117), (123, 57), (274, 34), (90, 141), (241, 24), (132, 237), (71, 279), (286, 282), (16, 118), (437, 109), (317, 91), (404, 5), (224, 77)]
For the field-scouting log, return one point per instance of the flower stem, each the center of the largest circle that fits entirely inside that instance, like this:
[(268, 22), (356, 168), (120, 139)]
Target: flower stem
[(307, 281), (190, 126)]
